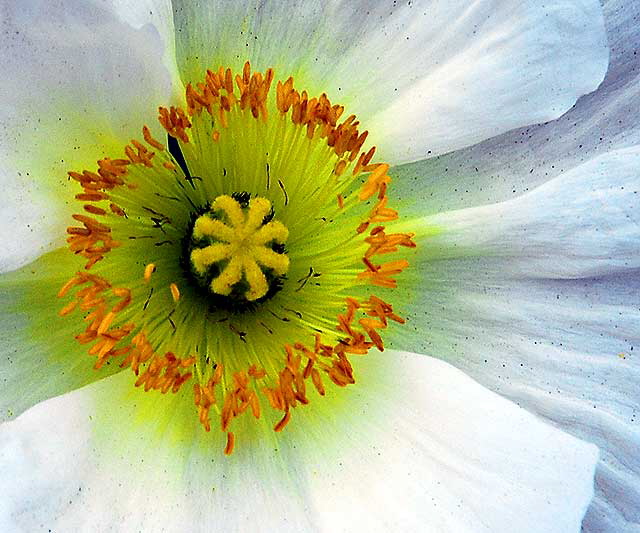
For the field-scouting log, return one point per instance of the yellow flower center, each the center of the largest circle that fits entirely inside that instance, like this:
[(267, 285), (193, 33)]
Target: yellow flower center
[(240, 248), (184, 276)]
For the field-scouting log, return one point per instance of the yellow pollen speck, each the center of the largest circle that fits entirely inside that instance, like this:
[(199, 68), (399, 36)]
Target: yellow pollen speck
[(148, 270), (175, 292), (245, 245)]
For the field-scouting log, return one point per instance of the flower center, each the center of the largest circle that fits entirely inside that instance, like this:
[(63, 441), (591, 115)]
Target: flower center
[(183, 279), (236, 250)]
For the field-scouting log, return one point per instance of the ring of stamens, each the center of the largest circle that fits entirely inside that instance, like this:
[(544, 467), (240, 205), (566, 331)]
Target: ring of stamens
[(146, 323)]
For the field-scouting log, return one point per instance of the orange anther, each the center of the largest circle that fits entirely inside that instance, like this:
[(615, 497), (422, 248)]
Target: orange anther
[(94, 209), (68, 308), (106, 323), (231, 439), (146, 133), (283, 422)]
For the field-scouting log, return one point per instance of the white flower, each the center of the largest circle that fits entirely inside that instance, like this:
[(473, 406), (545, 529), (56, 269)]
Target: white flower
[(531, 296)]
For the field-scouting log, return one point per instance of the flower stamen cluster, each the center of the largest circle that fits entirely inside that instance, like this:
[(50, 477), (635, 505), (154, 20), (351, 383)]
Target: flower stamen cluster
[(293, 155)]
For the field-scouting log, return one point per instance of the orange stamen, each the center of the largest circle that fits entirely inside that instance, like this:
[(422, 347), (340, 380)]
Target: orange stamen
[(146, 133), (283, 422), (231, 439)]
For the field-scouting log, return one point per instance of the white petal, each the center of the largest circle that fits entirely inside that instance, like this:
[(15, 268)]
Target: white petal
[(502, 68), (537, 299), (424, 77), (584, 223), (450, 456), (511, 164), (156, 14), (427, 450), (77, 84)]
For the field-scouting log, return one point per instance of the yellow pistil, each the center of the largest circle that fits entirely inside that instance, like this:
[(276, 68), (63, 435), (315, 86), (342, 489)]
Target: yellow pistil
[(244, 242)]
